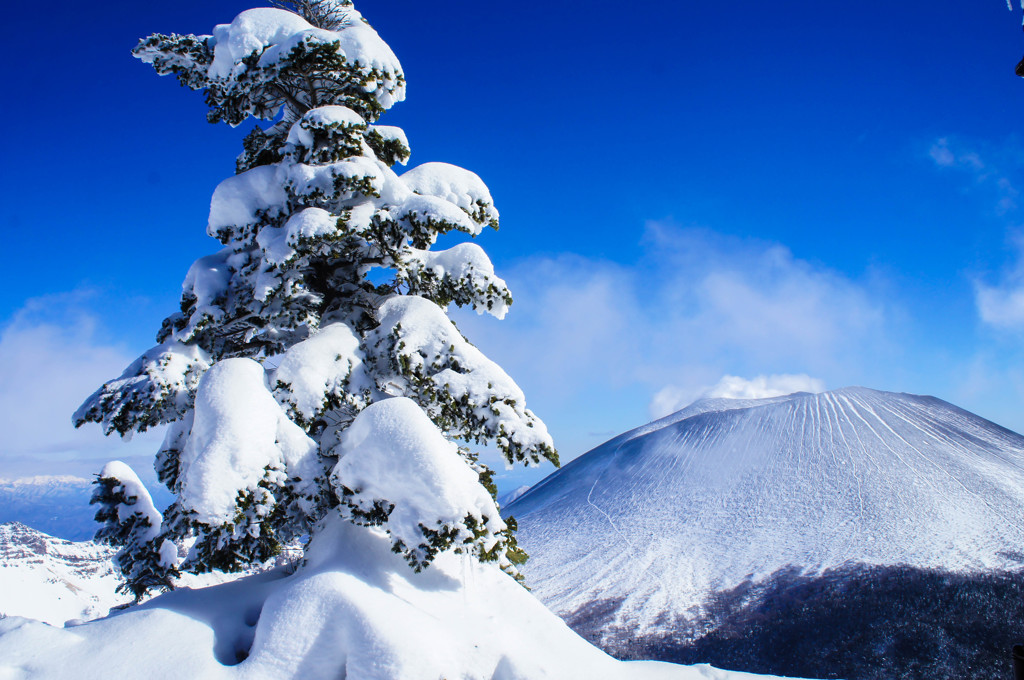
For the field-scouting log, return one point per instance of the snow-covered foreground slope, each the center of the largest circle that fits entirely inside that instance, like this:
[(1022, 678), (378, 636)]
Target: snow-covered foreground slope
[(646, 527), (54, 580), (359, 613)]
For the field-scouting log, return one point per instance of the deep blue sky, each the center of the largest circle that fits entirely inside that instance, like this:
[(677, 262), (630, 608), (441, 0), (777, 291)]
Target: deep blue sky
[(853, 167)]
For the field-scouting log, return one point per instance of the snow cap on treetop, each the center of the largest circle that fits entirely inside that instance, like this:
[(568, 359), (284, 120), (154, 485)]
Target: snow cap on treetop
[(257, 65), (276, 31), (132, 487)]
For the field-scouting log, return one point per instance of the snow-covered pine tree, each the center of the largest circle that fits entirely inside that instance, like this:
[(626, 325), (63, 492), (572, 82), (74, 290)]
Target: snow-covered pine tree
[(129, 520), (312, 368)]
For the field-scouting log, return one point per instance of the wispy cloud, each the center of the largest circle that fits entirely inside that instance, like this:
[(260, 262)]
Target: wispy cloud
[(999, 300), (1002, 305), (949, 153), (53, 358), (697, 306), (671, 398)]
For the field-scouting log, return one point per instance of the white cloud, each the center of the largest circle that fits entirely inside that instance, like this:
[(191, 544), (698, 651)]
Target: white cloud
[(764, 386), (592, 341), (53, 358), (671, 398), (1002, 305), (946, 157)]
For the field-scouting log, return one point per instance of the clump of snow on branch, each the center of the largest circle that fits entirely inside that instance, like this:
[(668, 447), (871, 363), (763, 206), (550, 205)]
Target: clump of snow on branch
[(136, 504), (243, 201), (156, 388), (395, 463), (455, 185), (279, 243), (462, 274), (240, 435), (251, 31), (457, 385), (130, 522), (322, 373)]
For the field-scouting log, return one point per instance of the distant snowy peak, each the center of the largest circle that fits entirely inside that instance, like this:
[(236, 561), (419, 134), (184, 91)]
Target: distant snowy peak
[(45, 481), (698, 407), (727, 490), (19, 543)]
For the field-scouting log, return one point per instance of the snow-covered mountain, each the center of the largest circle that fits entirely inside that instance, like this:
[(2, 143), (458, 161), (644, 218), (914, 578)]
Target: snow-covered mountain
[(54, 580), (54, 504), (665, 531)]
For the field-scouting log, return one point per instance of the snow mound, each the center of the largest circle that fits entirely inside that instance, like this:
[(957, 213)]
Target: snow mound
[(373, 618)]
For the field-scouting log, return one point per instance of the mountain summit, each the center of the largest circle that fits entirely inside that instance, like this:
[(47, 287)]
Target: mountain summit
[(645, 532)]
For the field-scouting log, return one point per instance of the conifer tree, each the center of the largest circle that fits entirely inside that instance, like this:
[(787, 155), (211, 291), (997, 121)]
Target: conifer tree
[(325, 302), (132, 523)]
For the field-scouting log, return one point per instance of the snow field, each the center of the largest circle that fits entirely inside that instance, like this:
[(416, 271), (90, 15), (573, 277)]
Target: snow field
[(354, 610)]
